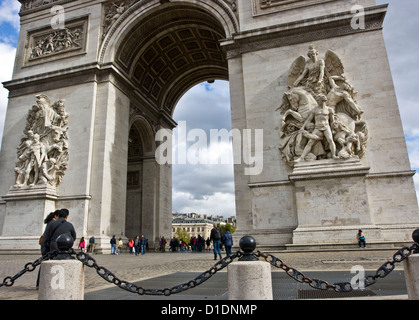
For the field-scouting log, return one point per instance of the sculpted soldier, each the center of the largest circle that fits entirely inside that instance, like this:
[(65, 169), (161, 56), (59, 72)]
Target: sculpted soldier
[(323, 119)]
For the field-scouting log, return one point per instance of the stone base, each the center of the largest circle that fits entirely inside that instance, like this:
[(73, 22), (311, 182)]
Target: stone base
[(249, 280), (411, 269), (61, 280)]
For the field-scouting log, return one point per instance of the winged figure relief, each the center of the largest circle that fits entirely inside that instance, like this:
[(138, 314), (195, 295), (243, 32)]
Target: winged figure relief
[(320, 116)]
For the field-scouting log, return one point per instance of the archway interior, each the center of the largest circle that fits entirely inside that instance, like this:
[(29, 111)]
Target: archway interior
[(165, 53), (170, 50)]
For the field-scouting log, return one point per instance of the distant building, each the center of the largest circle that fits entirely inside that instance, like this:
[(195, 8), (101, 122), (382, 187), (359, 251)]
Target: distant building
[(196, 225)]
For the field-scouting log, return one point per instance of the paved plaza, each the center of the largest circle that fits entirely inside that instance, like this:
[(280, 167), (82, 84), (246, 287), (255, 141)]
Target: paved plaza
[(162, 270)]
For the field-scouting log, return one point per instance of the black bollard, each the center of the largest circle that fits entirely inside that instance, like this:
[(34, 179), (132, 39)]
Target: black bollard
[(64, 243), (248, 245)]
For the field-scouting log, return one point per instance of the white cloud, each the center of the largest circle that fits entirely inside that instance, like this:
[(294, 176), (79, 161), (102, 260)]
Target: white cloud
[(7, 58), (9, 10)]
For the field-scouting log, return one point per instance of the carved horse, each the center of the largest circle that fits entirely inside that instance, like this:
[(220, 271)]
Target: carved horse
[(297, 103)]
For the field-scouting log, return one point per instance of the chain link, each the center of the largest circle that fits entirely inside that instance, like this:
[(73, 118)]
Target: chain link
[(29, 267), (318, 284), (381, 272), (107, 275)]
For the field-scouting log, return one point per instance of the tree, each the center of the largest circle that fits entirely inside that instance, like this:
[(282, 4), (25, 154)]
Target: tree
[(183, 235), (226, 227)]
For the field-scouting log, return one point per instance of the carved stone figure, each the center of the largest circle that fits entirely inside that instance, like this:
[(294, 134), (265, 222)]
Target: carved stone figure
[(114, 12), (43, 152), (321, 118)]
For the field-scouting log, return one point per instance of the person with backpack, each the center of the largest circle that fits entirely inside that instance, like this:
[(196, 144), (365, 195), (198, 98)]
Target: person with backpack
[(216, 241)]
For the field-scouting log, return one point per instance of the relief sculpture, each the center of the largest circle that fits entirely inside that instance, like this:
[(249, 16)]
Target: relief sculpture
[(320, 116), (57, 42), (43, 151)]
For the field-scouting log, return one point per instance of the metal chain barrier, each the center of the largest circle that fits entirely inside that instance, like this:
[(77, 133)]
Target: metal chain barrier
[(110, 277), (29, 267), (130, 287), (381, 272)]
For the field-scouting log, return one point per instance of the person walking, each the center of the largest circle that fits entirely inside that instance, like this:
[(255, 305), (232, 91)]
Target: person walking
[(228, 242), (113, 245), (91, 244), (54, 230), (216, 241), (82, 244)]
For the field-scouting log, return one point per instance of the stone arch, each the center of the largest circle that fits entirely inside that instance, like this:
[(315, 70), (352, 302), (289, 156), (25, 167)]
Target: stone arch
[(223, 13), (141, 149), (161, 50)]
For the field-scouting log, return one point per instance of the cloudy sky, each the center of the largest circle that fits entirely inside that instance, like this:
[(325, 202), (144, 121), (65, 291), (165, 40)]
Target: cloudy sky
[(209, 189)]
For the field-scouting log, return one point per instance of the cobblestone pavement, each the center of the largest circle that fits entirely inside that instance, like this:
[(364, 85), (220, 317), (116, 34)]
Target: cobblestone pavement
[(139, 268)]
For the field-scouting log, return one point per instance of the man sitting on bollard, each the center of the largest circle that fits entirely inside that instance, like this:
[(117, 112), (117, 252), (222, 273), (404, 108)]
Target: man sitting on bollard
[(54, 230)]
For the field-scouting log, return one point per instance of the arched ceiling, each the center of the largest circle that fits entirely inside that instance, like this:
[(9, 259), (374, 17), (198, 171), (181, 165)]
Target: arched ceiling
[(171, 50)]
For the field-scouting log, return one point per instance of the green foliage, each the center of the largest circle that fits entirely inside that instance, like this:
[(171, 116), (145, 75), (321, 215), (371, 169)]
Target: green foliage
[(183, 235)]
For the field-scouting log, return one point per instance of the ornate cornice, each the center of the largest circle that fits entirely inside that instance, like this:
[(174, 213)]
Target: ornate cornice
[(304, 31)]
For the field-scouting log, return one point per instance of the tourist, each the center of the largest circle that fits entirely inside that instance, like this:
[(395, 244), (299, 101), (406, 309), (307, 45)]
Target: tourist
[(51, 217), (143, 244), (216, 241), (361, 239), (163, 244), (91, 244), (113, 245), (82, 244), (54, 230), (131, 246), (228, 242), (120, 244), (137, 245)]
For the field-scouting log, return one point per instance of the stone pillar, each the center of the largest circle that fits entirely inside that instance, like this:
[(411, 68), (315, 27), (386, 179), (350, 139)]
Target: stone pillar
[(249, 278), (411, 271)]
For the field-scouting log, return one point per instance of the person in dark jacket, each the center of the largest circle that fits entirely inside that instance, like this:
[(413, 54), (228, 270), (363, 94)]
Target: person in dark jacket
[(54, 229), (228, 242), (216, 241)]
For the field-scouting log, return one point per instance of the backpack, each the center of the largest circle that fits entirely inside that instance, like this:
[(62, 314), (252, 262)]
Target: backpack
[(217, 234)]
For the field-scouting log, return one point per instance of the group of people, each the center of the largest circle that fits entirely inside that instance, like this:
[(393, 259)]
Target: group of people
[(137, 245)]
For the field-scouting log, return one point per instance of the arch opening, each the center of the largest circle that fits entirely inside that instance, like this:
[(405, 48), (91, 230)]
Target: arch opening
[(204, 183), (163, 54)]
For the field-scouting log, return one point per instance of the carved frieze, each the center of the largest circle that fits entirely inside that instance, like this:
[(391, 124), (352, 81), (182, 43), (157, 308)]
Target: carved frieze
[(50, 43), (43, 151), (30, 5), (320, 116)]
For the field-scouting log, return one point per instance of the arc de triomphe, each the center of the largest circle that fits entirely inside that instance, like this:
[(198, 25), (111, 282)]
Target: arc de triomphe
[(94, 82)]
